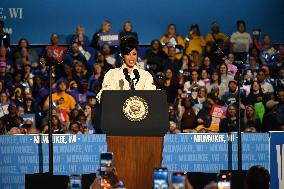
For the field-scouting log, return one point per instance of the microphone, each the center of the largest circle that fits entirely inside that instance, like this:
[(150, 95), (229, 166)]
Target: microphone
[(127, 77), (137, 75)]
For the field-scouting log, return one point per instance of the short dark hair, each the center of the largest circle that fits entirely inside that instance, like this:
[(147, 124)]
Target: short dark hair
[(10, 107), (194, 71), (155, 40), (257, 177), (74, 123), (261, 70), (239, 22), (62, 80)]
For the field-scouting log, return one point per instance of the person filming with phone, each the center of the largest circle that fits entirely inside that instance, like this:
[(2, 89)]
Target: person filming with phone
[(108, 177)]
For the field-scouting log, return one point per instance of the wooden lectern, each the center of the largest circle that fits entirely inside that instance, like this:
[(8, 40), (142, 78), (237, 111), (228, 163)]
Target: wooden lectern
[(137, 145), (135, 157)]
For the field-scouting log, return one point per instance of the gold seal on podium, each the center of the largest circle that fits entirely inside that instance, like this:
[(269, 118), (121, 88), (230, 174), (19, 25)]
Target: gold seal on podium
[(135, 108)]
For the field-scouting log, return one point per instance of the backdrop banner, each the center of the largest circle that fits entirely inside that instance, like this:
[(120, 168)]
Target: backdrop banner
[(211, 153), (37, 20), (27, 154)]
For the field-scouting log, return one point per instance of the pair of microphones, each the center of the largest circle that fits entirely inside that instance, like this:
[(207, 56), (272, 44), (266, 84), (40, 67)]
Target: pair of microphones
[(131, 81)]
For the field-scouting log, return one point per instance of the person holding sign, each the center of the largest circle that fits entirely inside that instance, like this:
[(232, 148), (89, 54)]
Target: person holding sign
[(172, 39), (105, 36)]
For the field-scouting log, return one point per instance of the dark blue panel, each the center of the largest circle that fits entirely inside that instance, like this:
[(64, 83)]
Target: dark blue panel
[(150, 18)]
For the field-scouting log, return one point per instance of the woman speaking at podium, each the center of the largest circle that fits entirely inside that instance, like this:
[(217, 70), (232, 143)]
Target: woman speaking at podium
[(129, 76)]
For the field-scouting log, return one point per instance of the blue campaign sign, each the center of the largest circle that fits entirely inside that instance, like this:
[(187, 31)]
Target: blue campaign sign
[(255, 150), (277, 160), (30, 117), (214, 152), (195, 152), (27, 154)]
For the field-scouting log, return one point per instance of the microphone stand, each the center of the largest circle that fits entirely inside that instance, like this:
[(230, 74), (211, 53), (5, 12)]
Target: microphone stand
[(127, 77), (50, 144), (131, 81), (239, 65)]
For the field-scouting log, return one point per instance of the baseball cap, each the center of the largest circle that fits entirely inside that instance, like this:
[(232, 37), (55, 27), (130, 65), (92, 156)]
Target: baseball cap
[(83, 81), (234, 81), (271, 104), (160, 75)]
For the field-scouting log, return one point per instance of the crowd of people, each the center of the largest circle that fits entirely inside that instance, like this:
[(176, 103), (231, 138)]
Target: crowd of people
[(201, 75)]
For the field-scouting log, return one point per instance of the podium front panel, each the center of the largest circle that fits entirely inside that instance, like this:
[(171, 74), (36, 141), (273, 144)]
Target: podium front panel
[(114, 122)]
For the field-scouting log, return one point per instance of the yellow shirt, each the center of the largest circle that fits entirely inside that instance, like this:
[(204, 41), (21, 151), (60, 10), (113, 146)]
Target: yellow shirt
[(177, 40), (196, 43), (217, 36), (63, 101), (213, 127), (221, 36)]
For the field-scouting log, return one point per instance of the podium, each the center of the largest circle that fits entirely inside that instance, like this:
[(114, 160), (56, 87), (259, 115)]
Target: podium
[(135, 158), (122, 113), (135, 139)]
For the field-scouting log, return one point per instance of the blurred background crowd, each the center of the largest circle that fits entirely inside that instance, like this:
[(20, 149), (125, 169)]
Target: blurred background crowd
[(201, 74)]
